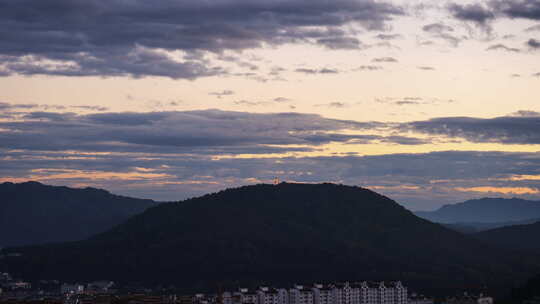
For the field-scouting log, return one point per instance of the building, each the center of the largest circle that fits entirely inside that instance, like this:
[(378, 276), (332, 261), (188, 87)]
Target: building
[(338, 293), (419, 299), (325, 294), (244, 296), (470, 299), (272, 296), (71, 289), (301, 295)]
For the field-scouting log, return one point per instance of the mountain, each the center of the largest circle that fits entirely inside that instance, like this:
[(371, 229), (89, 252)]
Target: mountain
[(33, 213), (485, 210), (282, 234), (469, 228), (528, 293), (521, 237)]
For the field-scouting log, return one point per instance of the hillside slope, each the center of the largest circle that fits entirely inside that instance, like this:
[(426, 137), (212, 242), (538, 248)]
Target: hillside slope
[(33, 213), (520, 237), (486, 210), (274, 234)]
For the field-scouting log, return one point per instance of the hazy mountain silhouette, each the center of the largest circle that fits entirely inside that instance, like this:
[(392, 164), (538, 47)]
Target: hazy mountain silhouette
[(485, 210), (470, 228), (33, 213), (279, 235)]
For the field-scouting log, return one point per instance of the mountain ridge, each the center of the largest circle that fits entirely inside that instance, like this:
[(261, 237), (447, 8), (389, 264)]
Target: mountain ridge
[(275, 234)]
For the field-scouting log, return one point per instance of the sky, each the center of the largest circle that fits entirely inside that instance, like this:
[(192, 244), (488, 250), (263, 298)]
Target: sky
[(427, 102)]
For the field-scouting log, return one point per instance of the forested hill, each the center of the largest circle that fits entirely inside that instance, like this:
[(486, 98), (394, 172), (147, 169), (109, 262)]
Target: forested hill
[(33, 213)]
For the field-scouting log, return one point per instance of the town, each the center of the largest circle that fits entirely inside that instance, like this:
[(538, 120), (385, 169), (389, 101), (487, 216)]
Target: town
[(103, 292)]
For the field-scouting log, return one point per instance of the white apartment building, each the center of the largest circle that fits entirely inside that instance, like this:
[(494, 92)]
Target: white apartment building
[(301, 295), (324, 294), (272, 296), (244, 296), (339, 293)]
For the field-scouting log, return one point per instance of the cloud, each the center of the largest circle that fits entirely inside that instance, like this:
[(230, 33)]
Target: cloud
[(220, 94), (368, 68), (442, 31), (281, 99), (475, 13), (317, 71), (136, 62), (437, 28), (5, 106), (536, 74), (525, 9), (420, 181), (384, 59), (502, 47), (340, 43), (515, 129), (209, 131), (534, 28), (426, 68), (412, 100), (91, 108), (533, 44), (388, 36), (500, 190), (525, 113), (138, 39), (333, 105)]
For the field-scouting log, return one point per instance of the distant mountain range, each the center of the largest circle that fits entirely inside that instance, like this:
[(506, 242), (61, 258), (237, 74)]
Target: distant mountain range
[(33, 213), (266, 234), (470, 228), (484, 211)]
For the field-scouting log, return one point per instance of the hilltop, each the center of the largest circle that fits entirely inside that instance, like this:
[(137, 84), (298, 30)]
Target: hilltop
[(33, 213)]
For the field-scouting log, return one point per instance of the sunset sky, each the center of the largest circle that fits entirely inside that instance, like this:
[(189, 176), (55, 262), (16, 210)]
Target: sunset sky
[(427, 102)]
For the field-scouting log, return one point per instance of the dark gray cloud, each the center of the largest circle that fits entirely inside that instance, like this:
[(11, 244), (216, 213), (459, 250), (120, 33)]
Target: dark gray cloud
[(533, 44), (475, 13), (385, 59), (119, 38), (502, 47), (340, 43), (212, 131), (536, 74), (426, 68), (526, 9), (516, 129)]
